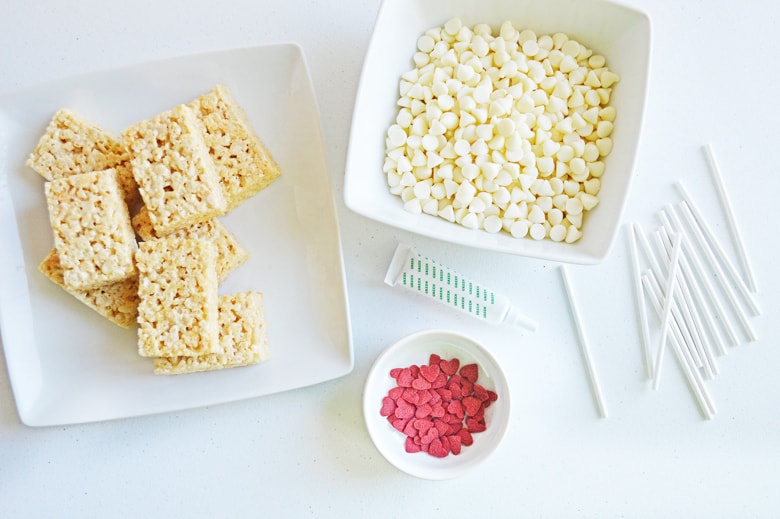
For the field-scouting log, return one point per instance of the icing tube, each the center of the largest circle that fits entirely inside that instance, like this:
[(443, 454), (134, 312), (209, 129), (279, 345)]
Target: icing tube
[(416, 272)]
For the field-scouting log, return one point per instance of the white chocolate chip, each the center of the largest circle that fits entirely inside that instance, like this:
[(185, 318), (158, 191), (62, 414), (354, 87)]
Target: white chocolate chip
[(573, 234), (574, 206), (502, 132), (537, 231), (536, 215), (492, 224), (558, 232), (519, 229)]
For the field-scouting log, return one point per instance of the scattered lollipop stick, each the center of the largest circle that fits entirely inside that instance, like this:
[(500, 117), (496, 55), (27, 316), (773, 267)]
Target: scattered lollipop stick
[(699, 308), (594, 381), (679, 313), (699, 269), (731, 219), (700, 226), (671, 286), (695, 382), (655, 266), (640, 302), (703, 357), (727, 288), (658, 273), (687, 296)]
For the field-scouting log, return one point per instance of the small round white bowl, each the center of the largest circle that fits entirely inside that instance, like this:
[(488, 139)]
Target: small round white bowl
[(416, 349)]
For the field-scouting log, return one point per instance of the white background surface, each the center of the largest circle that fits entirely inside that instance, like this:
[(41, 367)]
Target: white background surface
[(306, 452)]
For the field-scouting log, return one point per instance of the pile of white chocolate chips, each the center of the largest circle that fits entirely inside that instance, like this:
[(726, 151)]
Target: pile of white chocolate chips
[(502, 132)]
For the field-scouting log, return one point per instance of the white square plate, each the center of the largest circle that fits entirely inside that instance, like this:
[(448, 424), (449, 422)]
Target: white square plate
[(620, 33), (66, 363)]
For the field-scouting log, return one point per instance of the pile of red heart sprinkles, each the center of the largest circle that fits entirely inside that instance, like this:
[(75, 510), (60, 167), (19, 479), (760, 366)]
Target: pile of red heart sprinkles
[(438, 406)]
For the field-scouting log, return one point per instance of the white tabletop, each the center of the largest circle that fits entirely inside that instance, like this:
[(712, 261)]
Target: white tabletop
[(306, 452)]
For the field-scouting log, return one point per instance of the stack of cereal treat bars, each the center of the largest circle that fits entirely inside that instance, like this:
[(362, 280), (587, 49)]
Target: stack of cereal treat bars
[(136, 231)]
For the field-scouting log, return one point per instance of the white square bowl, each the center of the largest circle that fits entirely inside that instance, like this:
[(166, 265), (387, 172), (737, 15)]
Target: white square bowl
[(66, 363), (619, 33)]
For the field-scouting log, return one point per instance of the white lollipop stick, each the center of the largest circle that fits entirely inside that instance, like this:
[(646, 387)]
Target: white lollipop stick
[(743, 320), (733, 228), (648, 251), (703, 352), (680, 312), (658, 273), (700, 226), (671, 284), (698, 268), (695, 382), (704, 319), (594, 381), (640, 302)]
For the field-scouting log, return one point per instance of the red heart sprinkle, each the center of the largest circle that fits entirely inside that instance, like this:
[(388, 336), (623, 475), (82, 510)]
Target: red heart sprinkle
[(469, 372), (475, 426), (405, 378), (399, 424), (423, 425), (455, 408), (441, 425), (465, 437), (480, 392), (438, 411), (388, 406), (395, 393), (440, 381), (428, 437), (472, 405), (411, 396), (436, 449), (429, 373), (444, 394), (421, 383), (412, 447), (449, 367), (423, 411), (455, 443), (404, 409), (410, 430), (437, 406), (445, 444), (452, 419)]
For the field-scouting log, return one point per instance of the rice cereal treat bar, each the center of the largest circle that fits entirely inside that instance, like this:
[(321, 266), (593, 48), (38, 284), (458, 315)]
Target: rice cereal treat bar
[(93, 234), (72, 144), (177, 286), (242, 336), (230, 253), (171, 164), (117, 302), (128, 186), (244, 164)]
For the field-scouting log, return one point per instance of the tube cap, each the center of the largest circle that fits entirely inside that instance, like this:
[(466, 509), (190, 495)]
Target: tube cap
[(517, 318)]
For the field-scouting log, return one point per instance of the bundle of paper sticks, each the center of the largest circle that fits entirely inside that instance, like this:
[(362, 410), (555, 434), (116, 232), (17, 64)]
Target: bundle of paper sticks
[(682, 273)]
